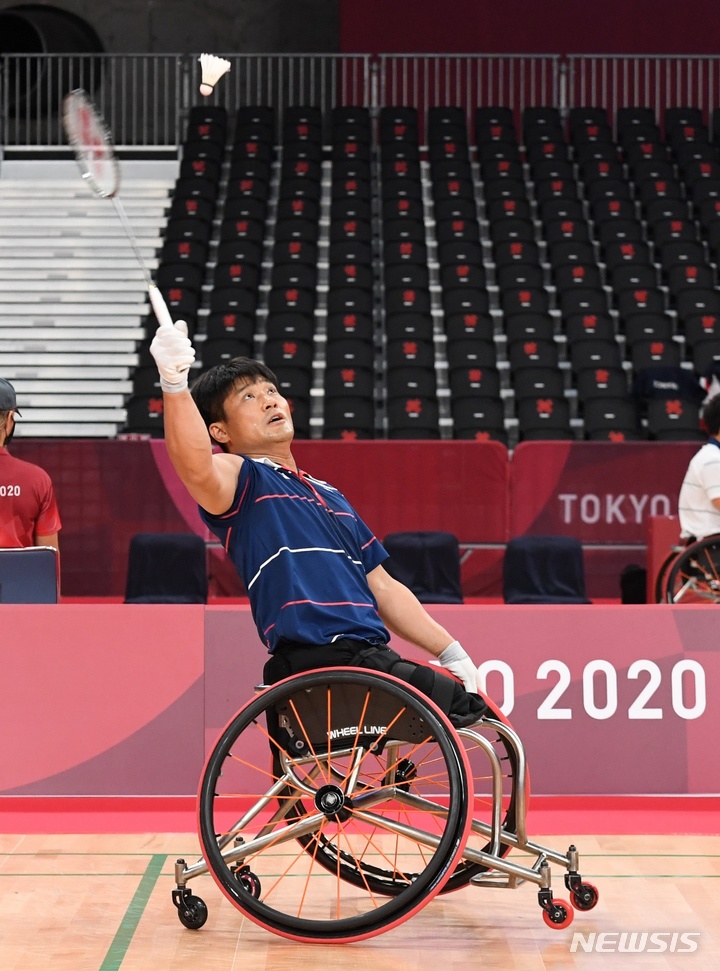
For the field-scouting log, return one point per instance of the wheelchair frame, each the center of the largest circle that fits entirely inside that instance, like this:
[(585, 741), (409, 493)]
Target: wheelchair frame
[(690, 574), (373, 804)]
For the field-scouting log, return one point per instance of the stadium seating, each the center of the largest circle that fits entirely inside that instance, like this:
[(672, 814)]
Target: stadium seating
[(507, 279)]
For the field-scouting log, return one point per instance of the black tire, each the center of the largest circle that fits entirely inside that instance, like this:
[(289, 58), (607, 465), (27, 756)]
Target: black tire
[(585, 897), (341, 848), (694, 577), (192, 912)]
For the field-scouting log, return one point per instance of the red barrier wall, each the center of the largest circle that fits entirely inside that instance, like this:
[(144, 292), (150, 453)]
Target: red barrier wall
[(603, 493), (124, 700), (101, 699), (461, 487), (663, 535), (108, 491), (600, 494), (528, 27)]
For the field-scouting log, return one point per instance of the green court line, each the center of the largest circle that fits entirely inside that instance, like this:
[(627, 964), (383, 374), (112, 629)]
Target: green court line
[(128, 925)]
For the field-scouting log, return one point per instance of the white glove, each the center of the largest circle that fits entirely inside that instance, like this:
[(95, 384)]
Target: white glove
[(458, 662), (173, 353)]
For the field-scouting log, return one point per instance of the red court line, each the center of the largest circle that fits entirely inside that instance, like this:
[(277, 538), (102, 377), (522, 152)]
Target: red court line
[(548, 815)]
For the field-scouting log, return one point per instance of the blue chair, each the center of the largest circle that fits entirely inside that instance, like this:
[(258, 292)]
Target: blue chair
[(428, 562), (166, 568), (544, 570), (29, 575)]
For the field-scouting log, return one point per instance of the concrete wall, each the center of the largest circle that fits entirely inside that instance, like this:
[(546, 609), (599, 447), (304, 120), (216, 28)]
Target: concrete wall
[(217, 26)]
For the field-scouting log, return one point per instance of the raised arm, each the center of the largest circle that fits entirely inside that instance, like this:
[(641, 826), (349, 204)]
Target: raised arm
[(210, 478)]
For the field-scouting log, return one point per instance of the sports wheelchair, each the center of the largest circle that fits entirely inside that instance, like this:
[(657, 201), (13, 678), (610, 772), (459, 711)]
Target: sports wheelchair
[(339, 801), (690, 574)]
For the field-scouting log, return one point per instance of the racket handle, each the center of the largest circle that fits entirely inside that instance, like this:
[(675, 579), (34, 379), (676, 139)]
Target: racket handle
[(159, 306)]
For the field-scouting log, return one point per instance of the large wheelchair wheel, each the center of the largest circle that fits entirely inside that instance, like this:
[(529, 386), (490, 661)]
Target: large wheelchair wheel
[(694, 577), (335, 805)]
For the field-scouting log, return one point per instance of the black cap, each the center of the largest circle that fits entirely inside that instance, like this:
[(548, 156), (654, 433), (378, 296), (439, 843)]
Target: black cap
[(8, 398)]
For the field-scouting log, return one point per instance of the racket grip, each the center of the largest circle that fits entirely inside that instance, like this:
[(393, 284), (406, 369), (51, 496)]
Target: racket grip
[(159, 306)]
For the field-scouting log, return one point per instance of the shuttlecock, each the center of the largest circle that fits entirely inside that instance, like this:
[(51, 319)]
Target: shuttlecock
[(213, 69)]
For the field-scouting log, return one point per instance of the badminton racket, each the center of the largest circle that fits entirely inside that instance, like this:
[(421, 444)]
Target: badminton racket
[(92, 143)]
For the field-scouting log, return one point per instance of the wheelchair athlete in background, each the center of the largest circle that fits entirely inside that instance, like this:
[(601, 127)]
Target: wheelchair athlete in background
[(378, 765), (311, 567), (691, 572)]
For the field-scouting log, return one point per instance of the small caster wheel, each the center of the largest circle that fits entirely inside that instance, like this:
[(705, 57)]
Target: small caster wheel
[(249, 882), (192, 912), (584, 897), (405, 774), (558, 914)]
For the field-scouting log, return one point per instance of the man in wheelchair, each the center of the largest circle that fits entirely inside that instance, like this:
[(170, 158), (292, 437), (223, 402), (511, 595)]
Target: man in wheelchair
[(699, 500), (311, 567), (696, 572), (370, 806)]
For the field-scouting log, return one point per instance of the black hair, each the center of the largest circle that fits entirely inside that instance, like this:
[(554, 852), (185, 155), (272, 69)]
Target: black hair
[(210, 390), (711, 415)]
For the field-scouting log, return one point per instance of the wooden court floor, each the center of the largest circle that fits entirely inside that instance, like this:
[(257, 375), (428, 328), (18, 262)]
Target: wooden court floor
[(102, 902)]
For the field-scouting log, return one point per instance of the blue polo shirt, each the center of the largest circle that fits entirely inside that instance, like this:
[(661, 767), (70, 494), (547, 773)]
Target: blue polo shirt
[(303, 554)]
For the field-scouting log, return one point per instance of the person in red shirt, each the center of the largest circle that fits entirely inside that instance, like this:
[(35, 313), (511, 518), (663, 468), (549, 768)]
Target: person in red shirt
[(28, 510)]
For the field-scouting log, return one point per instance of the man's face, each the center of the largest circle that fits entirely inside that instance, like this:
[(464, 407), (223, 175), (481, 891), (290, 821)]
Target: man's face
[(256, 416)]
